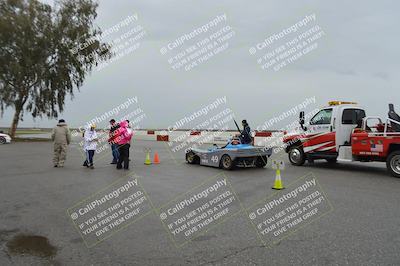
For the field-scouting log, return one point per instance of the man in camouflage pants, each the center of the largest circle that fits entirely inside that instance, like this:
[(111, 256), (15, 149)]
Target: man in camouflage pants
[(61, 137)]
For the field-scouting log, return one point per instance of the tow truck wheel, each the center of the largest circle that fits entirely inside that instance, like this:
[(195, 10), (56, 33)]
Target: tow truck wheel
[(192, 158), (296, 156), (226, 162), (393, 163), (331, 160)]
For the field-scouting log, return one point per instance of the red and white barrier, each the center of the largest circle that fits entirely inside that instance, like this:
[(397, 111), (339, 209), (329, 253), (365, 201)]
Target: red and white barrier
[(260, 138)]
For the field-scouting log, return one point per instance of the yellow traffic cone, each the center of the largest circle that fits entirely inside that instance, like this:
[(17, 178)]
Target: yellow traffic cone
[(147, 161), (278, 181)]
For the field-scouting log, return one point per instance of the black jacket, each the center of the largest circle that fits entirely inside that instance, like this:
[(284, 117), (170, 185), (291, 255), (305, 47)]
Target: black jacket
[(245, 135)]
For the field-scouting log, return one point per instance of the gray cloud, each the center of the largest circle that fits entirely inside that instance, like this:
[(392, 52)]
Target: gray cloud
[(357, 59)]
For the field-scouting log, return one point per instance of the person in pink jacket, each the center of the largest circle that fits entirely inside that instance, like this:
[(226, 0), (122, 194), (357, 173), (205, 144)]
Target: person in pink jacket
[(123, 137)]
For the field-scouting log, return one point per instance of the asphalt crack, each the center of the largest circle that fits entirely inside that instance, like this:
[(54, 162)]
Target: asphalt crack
[(235, 253)]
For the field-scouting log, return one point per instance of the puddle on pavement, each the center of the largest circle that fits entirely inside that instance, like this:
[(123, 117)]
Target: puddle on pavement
[(31, 245)]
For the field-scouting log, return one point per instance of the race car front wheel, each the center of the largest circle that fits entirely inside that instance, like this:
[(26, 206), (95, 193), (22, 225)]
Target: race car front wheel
[(261, 161), (296, 156), (192, 158), (393, 163), (226, 162), (2, 140)]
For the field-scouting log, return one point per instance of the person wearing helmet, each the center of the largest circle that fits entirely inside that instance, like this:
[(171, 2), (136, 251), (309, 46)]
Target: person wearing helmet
[(245, 135), (235, 142), (90, 145)]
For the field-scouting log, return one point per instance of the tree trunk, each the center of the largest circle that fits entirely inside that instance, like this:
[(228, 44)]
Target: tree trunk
[(15, 121)]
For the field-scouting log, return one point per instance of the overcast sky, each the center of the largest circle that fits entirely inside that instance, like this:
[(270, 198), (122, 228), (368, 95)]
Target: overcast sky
[(356, 59)]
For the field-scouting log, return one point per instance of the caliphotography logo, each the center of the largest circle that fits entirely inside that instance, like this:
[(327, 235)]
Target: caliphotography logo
[(97, 133), (287, 46), (198, 46), (110, 210), (200, 209), (207, 125), (284, 213)]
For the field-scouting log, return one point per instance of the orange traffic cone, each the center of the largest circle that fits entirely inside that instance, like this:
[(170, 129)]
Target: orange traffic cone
[(156, 158)]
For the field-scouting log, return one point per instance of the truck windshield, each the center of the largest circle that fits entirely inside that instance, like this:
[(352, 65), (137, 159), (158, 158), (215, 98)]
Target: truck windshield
[(323, 117)]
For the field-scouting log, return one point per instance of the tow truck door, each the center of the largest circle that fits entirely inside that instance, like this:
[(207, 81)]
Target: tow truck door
[(322, 135), (345, 122), (322, 121)]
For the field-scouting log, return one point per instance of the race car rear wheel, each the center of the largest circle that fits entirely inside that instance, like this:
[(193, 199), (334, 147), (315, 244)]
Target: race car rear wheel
[(192, 158), (393, 163), (226, 162), (261, 161), (296, 156), (2, 140)]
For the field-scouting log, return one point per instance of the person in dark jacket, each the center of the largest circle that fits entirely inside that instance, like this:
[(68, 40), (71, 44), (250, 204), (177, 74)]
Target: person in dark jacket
[(123, 138), (111, 140), (245, 135)]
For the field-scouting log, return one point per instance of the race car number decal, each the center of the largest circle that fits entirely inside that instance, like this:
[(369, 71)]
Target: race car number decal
[(214, 158)]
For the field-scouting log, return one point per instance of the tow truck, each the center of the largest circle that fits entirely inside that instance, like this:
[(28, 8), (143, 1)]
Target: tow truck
[(341, 131)]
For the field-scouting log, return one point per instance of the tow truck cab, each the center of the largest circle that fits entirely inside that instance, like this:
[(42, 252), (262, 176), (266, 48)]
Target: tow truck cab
[(342, 132)]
